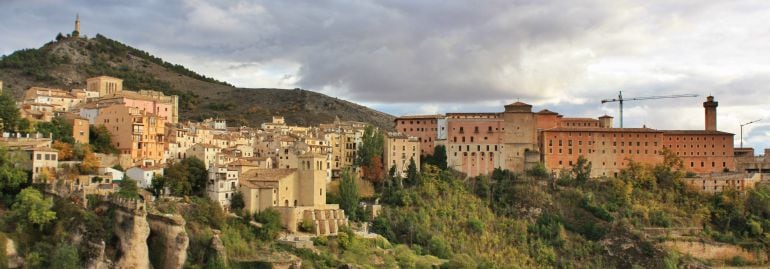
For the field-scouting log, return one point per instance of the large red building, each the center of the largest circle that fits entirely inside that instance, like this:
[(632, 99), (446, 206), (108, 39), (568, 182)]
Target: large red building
[(517, 138)]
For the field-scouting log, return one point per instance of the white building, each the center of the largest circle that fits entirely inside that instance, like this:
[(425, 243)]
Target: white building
[(144, 175), (222, 183)]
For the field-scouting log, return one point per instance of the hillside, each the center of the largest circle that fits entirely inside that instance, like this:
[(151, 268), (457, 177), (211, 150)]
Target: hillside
[(68, 61)]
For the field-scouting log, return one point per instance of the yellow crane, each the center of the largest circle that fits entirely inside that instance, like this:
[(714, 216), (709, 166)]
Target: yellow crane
[(620, 100)]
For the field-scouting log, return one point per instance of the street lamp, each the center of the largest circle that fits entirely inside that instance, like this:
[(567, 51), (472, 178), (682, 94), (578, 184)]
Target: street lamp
[(745, 125)]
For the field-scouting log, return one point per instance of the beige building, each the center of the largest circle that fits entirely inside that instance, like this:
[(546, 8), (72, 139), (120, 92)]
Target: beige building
[(400, 149), (205, 152), (298, 194), (716, 183), (80, 130), (61, 100), (137, 134), (105, 85)]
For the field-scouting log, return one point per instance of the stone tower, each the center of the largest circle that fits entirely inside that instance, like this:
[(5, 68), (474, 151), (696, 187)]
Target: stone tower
[(312, 179), (76, 33), (711, 113)]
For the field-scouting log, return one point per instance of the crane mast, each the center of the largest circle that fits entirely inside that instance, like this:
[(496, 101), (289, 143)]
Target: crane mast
[(620, 100)]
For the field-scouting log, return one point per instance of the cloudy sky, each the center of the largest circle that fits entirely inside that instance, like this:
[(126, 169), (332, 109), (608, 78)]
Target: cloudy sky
[(437, 56)]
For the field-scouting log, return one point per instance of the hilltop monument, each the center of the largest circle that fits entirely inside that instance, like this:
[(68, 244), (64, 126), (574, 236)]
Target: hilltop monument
[(76, 33)]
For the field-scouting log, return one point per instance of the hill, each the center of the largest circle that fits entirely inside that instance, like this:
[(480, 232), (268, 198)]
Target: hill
[(68, 61)]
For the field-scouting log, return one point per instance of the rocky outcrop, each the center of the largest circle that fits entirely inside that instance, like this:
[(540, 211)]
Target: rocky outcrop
[(99, 259), (168, 241), (14, 260), (132, 229)]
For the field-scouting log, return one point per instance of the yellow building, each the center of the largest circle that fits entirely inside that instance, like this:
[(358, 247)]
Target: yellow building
[(135, 133), (400, 149), (105, 85), (298, 194)]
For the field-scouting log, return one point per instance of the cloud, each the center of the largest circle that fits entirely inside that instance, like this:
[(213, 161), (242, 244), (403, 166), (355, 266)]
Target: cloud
[(406, 56)]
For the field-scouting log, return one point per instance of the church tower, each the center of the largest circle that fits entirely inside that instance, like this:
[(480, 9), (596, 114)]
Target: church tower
[(76, 33)]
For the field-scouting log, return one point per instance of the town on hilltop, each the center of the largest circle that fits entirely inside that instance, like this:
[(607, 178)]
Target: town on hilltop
[(138, 186)]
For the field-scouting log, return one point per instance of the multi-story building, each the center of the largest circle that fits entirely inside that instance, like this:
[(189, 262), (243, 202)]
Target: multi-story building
[(61, 100), (80, 127), (222, 184), (400, 150), (425, 127), (138, 134), (517, 138)]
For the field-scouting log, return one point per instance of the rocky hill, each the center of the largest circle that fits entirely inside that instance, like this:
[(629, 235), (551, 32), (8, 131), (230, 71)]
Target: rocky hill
[(68, 61)]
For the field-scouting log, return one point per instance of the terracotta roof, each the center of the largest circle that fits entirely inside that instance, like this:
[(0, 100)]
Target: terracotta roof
[(518, 103), (605, 116), (695, 132), (406, 117), (578, 119), (604, 130), (547, 112), (266, 174)]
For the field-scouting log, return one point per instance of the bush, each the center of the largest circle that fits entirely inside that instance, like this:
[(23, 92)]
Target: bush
[(306, 226), (475, 226)]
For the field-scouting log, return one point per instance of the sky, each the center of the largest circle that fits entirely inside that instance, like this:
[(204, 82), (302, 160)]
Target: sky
[(436, 56)]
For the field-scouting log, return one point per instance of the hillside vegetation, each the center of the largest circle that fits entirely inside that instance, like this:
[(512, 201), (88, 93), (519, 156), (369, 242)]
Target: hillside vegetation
[(68, 61)]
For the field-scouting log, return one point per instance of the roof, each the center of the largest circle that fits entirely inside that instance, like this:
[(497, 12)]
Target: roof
[(605, 116), (578, 119), (407, 117), (261, 175), (518, 103), (546, 112), (695, 132), (604, 130)]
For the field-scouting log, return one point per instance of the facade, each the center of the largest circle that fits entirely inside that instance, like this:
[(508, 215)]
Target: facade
[(715, 183), (222, 184), (206, 153), (80, 127), (60, 100), (143, 175), (425, 127), (104, 85), (400, 149), (137, 134), (517, 138)]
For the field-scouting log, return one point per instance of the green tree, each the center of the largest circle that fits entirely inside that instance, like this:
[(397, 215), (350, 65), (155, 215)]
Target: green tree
[(9, 114), (582, 170), (538, 172), (32, 210), (128, 189), (349, 194), (58, 128), (65, 256), (100, 139), (411, 173), (11, 177), (371, 145), (236, 201), (271, 224), (198, 175), (439, 157)]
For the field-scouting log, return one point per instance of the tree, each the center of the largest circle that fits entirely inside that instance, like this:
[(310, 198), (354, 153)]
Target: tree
[(58, 128), (374, 172), (538, 172), (198, 175), (349, 194), (65, 256), (438, 158), (411, 173), (9, 114), (236, 201), (32, 210), (11, 177), (65, 150), (90, 163), (581, 170), (100, 139), (128, 189)]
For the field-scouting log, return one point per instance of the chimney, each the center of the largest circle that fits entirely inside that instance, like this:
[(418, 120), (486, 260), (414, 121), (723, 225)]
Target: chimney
[(711, 113)]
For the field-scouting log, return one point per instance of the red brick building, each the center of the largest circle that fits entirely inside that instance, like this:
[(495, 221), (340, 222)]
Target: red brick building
[(424, 127)]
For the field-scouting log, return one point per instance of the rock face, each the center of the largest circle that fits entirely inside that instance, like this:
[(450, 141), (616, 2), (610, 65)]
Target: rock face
[(14, 260), (168, 241), (132, 229)]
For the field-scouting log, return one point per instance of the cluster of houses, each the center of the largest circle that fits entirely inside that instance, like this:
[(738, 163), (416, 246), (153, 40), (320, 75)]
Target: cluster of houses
[(277, 166)]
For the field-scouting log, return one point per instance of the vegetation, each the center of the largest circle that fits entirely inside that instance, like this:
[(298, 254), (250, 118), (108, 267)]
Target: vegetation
[(59, 129), (349, 194), (438, 159), (369, 156), (187, 177), (100, 139)]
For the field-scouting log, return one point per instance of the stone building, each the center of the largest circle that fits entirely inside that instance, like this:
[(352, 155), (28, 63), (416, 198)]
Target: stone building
[(400, 149), (222, 184), (297, 193), (105, 85)]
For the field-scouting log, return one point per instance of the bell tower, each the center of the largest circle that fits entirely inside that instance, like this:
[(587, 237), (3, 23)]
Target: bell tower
[(711, 113), (76, 33)]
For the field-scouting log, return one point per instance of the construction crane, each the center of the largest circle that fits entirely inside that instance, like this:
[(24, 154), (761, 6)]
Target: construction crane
[(620, 100)]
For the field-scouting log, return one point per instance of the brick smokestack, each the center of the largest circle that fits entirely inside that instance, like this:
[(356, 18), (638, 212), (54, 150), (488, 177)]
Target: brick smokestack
[(711, 113)]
